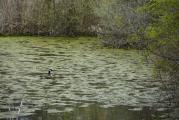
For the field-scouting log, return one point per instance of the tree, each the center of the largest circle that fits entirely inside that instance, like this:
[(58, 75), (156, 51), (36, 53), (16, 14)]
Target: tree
[(162, 35), (121, 22)]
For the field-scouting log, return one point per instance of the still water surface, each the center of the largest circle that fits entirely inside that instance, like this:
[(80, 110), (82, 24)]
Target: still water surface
[(89, 82)]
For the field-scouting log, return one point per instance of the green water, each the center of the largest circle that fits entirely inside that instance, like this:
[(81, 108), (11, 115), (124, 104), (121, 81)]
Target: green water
[(89, 82)]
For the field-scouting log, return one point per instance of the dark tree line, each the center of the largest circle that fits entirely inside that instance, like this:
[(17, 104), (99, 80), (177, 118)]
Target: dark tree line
[(47, 17)]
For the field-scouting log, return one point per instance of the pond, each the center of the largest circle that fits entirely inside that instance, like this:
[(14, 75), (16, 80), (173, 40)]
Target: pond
[(89, 82)]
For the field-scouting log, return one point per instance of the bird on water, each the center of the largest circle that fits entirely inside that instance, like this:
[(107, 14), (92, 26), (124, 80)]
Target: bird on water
[(50, 72)]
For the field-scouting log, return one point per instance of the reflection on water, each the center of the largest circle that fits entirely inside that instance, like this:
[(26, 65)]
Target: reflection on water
[(96, 112), (89, 82)]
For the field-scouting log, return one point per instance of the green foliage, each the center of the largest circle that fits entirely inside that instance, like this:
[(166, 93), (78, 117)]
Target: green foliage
[(119, 21), (162, 34), (133, 37), (152, 32)]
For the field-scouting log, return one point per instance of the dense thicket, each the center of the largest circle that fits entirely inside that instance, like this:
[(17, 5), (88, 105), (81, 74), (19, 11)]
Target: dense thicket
[(47, 17), (162, 37), (121, 24)]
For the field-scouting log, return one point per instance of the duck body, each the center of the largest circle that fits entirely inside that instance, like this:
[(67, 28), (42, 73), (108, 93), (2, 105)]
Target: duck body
[(48, 75), (50, 72)]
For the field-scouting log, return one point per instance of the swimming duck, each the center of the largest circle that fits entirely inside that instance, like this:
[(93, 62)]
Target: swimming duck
[(48, 75), (50, 72)]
